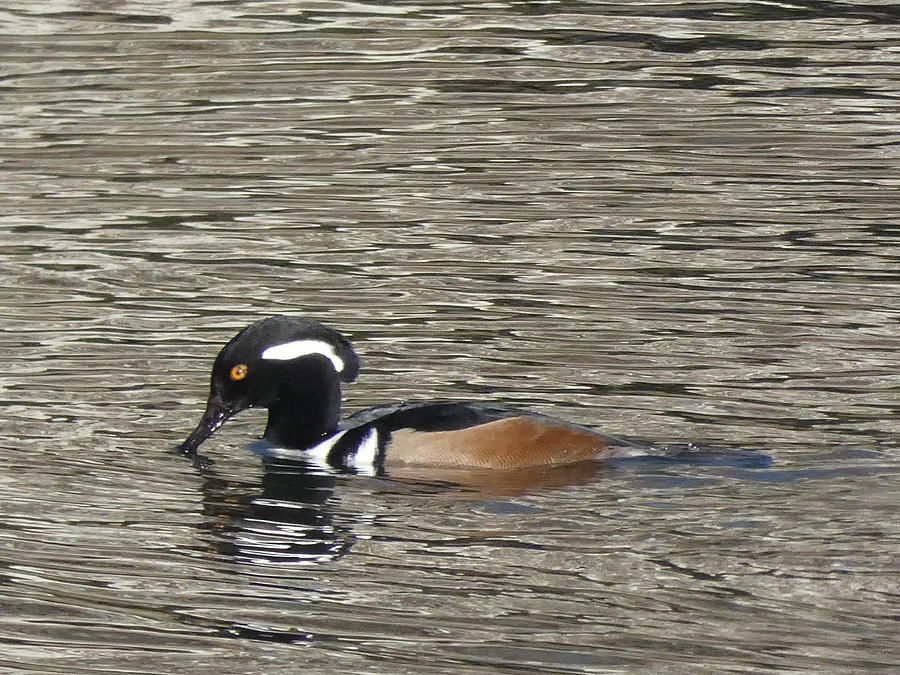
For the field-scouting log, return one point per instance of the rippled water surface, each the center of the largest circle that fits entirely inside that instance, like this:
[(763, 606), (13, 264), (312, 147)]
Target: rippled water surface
[(677, 222)]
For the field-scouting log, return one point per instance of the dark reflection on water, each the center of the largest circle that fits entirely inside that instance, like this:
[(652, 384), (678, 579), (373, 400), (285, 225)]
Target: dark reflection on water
[(288, 522), (674, 222), (289, 519)]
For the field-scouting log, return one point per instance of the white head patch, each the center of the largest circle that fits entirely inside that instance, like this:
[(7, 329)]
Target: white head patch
[(294, 350)]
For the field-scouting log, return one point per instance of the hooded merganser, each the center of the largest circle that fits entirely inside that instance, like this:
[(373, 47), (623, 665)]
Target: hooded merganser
[(294, 367)]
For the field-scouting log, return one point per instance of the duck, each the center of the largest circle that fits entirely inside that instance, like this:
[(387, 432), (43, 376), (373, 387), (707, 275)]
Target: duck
[(294, 367)]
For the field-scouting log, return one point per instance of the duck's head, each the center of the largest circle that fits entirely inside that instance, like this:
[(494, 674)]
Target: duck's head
[(291, 366)]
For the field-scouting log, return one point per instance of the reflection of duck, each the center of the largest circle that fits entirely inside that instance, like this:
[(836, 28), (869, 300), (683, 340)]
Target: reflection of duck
[(288, 522), (294, 367), (467, 483)]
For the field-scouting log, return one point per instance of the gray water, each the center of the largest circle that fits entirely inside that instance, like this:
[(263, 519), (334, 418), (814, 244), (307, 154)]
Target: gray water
[(675, 222)]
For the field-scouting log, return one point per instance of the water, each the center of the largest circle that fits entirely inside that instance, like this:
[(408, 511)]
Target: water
[(674, 222)]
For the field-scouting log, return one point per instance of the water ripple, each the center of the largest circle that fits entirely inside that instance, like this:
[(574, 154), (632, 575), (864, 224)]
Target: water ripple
[(674, 222)]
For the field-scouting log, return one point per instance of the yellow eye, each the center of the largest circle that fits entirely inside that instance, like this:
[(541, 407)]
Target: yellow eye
[(238, 373)]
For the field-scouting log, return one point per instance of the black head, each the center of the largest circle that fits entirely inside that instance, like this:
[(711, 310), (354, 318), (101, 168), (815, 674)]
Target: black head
[(291, 366)]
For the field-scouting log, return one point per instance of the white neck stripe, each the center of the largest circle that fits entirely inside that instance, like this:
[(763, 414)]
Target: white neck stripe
[(366, 454), (294, 350)]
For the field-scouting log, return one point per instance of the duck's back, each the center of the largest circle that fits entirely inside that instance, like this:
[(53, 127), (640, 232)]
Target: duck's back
[(461, 434)]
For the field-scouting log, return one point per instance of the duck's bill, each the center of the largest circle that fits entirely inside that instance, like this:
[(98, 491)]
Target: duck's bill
[(215, 416)]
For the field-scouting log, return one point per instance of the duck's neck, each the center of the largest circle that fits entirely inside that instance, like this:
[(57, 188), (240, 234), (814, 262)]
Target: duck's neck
[(304, 413)]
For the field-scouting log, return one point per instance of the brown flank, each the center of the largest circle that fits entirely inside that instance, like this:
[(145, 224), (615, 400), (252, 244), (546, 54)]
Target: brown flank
[(511, 443)]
